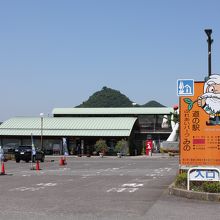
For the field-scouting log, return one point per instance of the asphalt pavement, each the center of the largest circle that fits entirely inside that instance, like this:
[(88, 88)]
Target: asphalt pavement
[(97, 188)]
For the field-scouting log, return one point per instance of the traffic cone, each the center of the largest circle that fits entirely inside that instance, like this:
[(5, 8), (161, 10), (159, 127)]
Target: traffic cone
[(61, 161), (37, 165), (3, 169)]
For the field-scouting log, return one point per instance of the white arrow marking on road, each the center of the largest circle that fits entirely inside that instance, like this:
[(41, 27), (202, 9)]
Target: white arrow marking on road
[(112, 190), (121, 189), (131, 190)]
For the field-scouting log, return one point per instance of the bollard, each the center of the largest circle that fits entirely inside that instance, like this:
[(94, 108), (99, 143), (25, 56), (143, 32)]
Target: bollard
[(62, 162), (37, 165)]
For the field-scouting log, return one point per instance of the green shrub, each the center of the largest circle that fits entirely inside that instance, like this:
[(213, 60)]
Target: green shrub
[(201, 186), (181, 180), (211, 187), (101, 146), (196, 186), (122, 147)]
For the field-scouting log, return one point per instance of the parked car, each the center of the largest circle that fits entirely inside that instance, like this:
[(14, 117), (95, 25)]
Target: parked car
[(9, 150), (25, 153)]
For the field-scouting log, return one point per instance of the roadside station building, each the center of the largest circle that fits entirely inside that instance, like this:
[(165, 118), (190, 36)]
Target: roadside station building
[(70, 127)]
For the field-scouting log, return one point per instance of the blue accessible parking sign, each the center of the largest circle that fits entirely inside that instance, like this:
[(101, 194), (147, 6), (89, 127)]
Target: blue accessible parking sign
[(185, 87)]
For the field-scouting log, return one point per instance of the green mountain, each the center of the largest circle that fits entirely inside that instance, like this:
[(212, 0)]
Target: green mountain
[(108, 97), (152, 103)]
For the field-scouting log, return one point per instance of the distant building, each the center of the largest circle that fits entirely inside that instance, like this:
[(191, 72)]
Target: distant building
[(84, 126)]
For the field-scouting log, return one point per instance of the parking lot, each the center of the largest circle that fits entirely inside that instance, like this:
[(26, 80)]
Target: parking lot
[(85, 188), (97, 188)]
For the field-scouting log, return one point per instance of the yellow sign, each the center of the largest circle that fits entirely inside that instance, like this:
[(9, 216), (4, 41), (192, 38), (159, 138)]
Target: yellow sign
[(200, 124)]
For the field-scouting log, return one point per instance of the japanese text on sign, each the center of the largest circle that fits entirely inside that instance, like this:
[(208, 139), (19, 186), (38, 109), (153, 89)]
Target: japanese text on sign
[(202, 174), (199, 129)]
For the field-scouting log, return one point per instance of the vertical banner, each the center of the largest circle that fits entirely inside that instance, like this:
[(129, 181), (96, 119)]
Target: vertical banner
[(200, 124), (65, 149), (149, 144)]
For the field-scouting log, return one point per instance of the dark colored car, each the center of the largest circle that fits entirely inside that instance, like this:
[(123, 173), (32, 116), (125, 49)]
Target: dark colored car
[(9, 151), (25, 153)]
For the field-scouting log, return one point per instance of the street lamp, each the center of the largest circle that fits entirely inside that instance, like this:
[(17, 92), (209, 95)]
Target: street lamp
[(41, 130), (210, 41)]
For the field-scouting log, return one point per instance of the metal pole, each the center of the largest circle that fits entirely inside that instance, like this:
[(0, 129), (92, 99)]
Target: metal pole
[(41, 133), (41, 130), (210, 41), (32, 145)]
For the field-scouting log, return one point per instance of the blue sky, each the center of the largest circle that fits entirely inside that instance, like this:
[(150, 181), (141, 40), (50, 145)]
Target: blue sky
[(56, 53)]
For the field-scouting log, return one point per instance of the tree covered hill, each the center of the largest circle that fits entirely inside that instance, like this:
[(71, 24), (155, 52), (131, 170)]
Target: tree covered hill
[(152, 103), (108, 97)]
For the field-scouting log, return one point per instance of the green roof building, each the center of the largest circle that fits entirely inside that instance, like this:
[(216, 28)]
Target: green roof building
[(72, 127)]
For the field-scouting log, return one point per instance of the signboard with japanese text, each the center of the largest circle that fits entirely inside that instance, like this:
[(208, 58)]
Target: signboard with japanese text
[(200, 124), (202, 174)]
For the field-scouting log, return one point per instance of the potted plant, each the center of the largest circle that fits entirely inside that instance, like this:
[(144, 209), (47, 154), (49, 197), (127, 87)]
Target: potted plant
[(121, 147), (101, 147)]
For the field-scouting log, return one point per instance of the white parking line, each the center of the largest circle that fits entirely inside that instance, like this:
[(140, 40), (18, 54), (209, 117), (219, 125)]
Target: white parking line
[(33, 188), (46, 184), (119, 190)]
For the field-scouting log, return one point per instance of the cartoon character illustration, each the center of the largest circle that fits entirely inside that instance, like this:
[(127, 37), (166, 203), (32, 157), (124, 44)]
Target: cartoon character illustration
[(209, 100)]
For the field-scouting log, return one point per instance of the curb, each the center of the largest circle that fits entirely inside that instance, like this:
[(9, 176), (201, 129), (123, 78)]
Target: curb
[(189, 194)]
